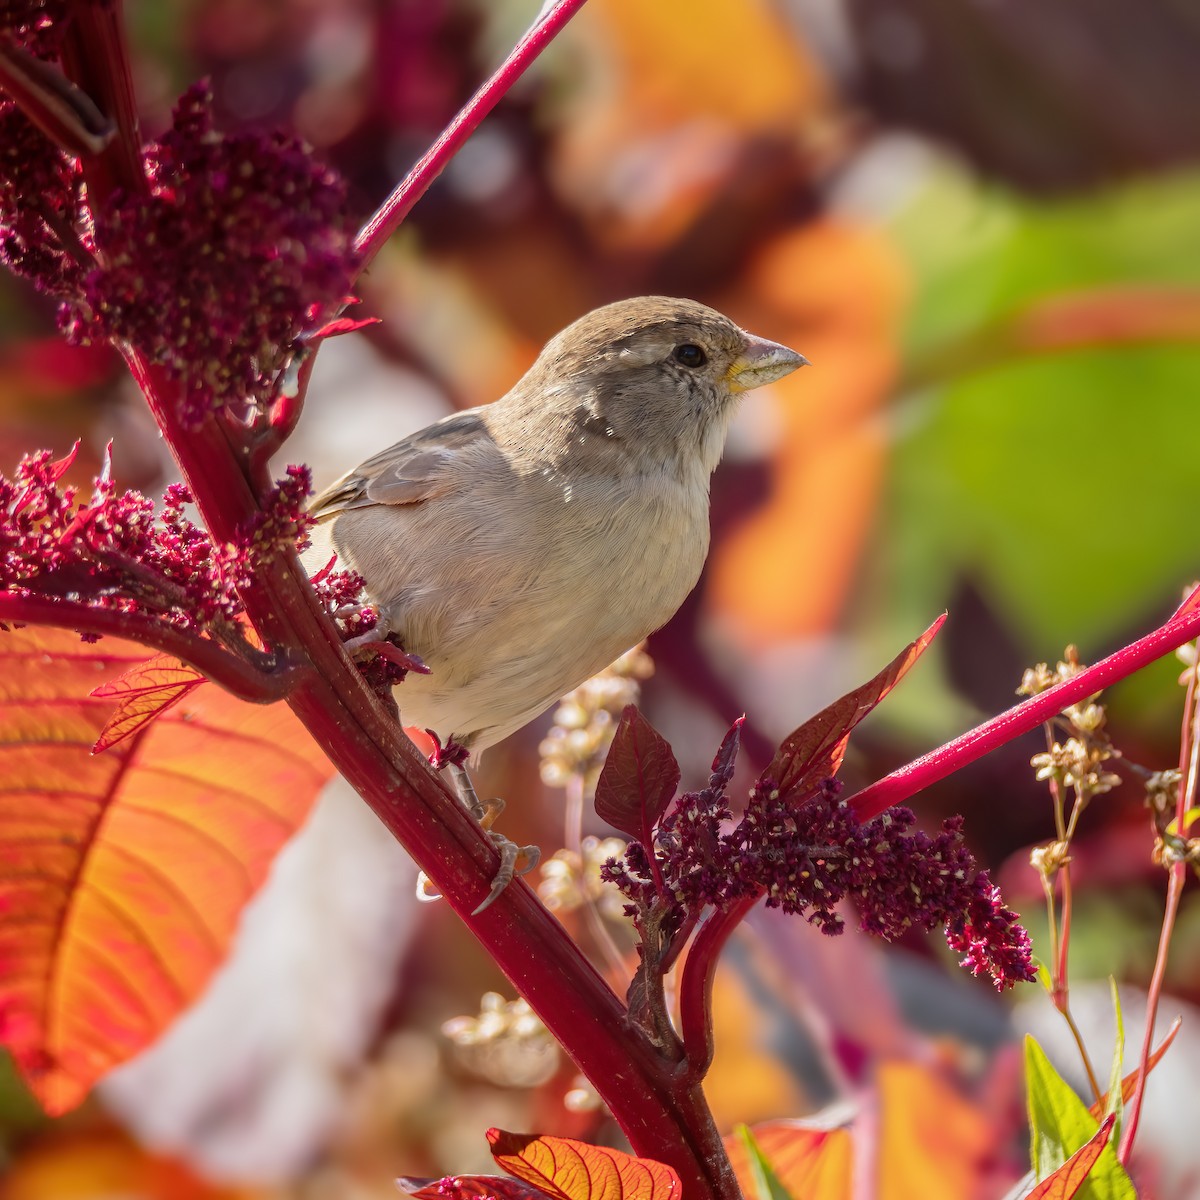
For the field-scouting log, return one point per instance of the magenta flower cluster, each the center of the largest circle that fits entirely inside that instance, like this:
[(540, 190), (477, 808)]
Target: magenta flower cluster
[(112, 551), (807, 854), (34, 25), (240, 243), (237, 245), (41, 199)]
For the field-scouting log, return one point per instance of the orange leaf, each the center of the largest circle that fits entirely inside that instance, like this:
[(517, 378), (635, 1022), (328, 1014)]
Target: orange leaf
[(571, 1170), (933, 1142), (83, 1162), (1070, 1177), (143, 692), (837, 290), (812, 1163), (814, 752), (122, 875)]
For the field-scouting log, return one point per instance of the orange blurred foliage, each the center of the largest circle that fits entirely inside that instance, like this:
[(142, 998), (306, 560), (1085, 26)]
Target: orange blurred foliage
[(122, 874), (82, 1165), (924, 1141), (838, 293)]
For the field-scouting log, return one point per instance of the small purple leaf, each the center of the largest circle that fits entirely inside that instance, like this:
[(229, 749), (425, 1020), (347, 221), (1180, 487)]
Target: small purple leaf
[(814, 752), (726, 758), (639, 777)]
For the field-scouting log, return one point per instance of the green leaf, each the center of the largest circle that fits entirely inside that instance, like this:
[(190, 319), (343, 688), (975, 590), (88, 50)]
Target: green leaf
[(1060, 1124), (767, 1184), (1116, 1102)]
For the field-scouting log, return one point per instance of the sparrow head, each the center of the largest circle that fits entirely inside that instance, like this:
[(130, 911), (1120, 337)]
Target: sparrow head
[(656, 374)]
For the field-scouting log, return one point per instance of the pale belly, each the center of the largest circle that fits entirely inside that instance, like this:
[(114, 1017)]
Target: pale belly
[(508, 624)]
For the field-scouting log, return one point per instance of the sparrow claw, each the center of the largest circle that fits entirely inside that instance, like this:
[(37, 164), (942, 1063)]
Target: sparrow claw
[(377, 640), (425, 892), (369, 640), (514, 860)]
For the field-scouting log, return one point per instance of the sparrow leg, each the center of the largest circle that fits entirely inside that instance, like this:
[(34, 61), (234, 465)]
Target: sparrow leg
[(514, 859)]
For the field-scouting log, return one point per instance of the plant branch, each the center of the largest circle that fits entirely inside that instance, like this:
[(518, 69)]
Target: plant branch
[(259, 682), (96, 60), (1182, 627), (1189, 778), (389, 216), (696, 984), (63, 112)]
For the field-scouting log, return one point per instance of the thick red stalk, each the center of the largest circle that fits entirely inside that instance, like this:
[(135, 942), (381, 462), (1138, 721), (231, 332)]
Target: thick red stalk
[(416, 183), (919, 774), (95, 59), (63, 112), (259, 683), (696, 983), (662, 1112)]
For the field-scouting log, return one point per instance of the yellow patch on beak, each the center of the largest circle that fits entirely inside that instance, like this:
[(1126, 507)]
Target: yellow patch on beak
[(761, 362)]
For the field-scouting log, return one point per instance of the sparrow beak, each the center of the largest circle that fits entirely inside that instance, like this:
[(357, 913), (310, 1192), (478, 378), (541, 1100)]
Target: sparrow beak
[(761, 362)]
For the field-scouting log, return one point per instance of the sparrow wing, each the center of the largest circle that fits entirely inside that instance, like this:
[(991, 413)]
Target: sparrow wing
[(425, 464)]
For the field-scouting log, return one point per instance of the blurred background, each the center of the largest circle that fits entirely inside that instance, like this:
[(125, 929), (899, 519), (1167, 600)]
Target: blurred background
[(980, 221)]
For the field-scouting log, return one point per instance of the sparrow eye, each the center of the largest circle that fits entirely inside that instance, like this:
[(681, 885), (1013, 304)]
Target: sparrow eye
[(690, 355)]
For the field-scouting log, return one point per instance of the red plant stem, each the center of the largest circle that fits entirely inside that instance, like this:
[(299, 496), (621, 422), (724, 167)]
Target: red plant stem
[(1183, 626), (1061, 986), (389, 216), (1189, 778), (1175, 880), (238, 676), (95, 59), (63, 112), (696, 984)]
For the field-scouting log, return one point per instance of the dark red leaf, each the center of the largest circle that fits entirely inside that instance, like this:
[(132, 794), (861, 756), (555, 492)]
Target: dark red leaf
[(342, 325), (726, 757), (471, 1187), (1189, 606), (639, 777), (814, 752)]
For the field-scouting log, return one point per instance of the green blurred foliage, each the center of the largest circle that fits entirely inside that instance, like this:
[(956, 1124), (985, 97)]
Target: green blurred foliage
[(1056, 486)]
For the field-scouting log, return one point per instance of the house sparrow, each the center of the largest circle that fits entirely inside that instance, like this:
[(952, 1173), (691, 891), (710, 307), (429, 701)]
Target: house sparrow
[(520, 547)]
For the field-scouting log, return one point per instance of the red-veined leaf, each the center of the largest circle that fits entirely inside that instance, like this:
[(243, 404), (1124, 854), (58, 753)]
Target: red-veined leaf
[(814, 751), (638, 779), (142, 693), (569, 1170), (122, 874), (1070, 1177)]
